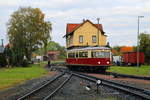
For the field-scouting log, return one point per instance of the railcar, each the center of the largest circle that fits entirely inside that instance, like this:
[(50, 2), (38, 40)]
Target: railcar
[(130, 58), (89, 58)]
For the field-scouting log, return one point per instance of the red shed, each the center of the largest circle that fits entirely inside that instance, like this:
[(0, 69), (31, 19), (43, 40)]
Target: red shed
[(130, 58), (53, 55)]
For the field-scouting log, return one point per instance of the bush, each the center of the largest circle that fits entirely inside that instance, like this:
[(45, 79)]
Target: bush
[(25, 63), (3, 61)]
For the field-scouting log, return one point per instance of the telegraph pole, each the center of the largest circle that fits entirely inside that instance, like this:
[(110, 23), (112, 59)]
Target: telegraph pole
[(98, 31), (2, 42), (138, 33)]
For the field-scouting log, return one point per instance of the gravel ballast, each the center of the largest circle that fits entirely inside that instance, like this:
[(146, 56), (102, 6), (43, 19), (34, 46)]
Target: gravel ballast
[(76, 89)]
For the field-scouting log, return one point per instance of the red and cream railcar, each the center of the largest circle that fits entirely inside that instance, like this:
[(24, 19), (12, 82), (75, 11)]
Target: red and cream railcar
[(91, 58)]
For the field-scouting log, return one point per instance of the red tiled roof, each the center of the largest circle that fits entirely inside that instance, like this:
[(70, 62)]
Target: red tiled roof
[(126, 49), (53, 52), (99, 26), (8, 45), (71, 27)]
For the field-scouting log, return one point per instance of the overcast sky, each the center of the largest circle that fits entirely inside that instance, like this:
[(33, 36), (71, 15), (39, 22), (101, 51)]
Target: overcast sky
[(118, 17)]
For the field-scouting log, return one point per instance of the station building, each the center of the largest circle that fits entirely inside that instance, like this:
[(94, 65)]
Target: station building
[(85, 34)]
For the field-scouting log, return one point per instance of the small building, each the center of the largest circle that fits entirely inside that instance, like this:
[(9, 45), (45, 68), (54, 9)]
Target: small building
[(117, 60), (36, 57), (84, 34), (53, 55)]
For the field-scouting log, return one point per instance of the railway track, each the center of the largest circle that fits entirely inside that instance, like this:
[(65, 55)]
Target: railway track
[(127, 76), (114, 74), (47, 90), (127, 89), (142, 93)]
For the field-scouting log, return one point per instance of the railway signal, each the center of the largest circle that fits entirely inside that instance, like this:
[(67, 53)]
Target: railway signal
[(98, 82)]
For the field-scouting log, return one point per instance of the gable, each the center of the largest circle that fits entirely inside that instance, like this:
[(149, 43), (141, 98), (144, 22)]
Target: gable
[(73, 27), (86, 28)]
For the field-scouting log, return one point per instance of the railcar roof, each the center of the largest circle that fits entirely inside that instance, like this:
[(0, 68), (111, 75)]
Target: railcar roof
[(90, 48)]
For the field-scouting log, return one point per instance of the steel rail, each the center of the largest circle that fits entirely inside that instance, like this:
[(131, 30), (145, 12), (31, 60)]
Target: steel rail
[(38, 89), (119, 74), (128, 76), (60, 86), (123, 85)]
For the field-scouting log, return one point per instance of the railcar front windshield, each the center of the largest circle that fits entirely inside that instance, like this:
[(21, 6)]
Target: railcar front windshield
[(100, 54), (71, 55)]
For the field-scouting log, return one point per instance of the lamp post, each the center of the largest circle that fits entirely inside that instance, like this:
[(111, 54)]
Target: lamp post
[(138, 39), (98, 31)]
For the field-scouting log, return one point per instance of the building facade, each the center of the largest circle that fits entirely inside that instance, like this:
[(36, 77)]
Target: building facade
[(85, 34), (53, 55)]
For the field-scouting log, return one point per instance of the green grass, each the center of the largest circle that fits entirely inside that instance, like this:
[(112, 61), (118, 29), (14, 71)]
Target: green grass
[(12, 76), (141, 71), (58, 61)]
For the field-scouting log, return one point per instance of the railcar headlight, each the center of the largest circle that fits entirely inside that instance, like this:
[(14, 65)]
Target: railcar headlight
[(107, 62), (99, 62)]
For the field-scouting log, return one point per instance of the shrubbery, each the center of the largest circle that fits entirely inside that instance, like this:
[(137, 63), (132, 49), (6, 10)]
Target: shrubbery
[(3, 61), (25, 63), (11, 58)]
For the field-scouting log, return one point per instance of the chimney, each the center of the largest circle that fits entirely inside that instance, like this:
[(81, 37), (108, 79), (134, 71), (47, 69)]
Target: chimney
[(83, 20)]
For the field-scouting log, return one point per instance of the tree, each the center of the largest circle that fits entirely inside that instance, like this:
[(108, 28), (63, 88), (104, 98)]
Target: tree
[(53, 46), (27, 31), (3, 61), (145, 45), (56, 46), (116, 50)]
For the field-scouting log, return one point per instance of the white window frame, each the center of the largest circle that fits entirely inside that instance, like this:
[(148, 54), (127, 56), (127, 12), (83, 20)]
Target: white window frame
[(80, 38), (94, 39)]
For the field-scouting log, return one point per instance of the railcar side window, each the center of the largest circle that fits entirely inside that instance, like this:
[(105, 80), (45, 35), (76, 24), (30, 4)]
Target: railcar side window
[(71, 55), (100, 54), (83, 54), (93, 54)]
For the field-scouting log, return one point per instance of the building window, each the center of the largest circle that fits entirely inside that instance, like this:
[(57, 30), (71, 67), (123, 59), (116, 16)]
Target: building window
[(68, 41), (71, 40), (81, 39), (93, 39)]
